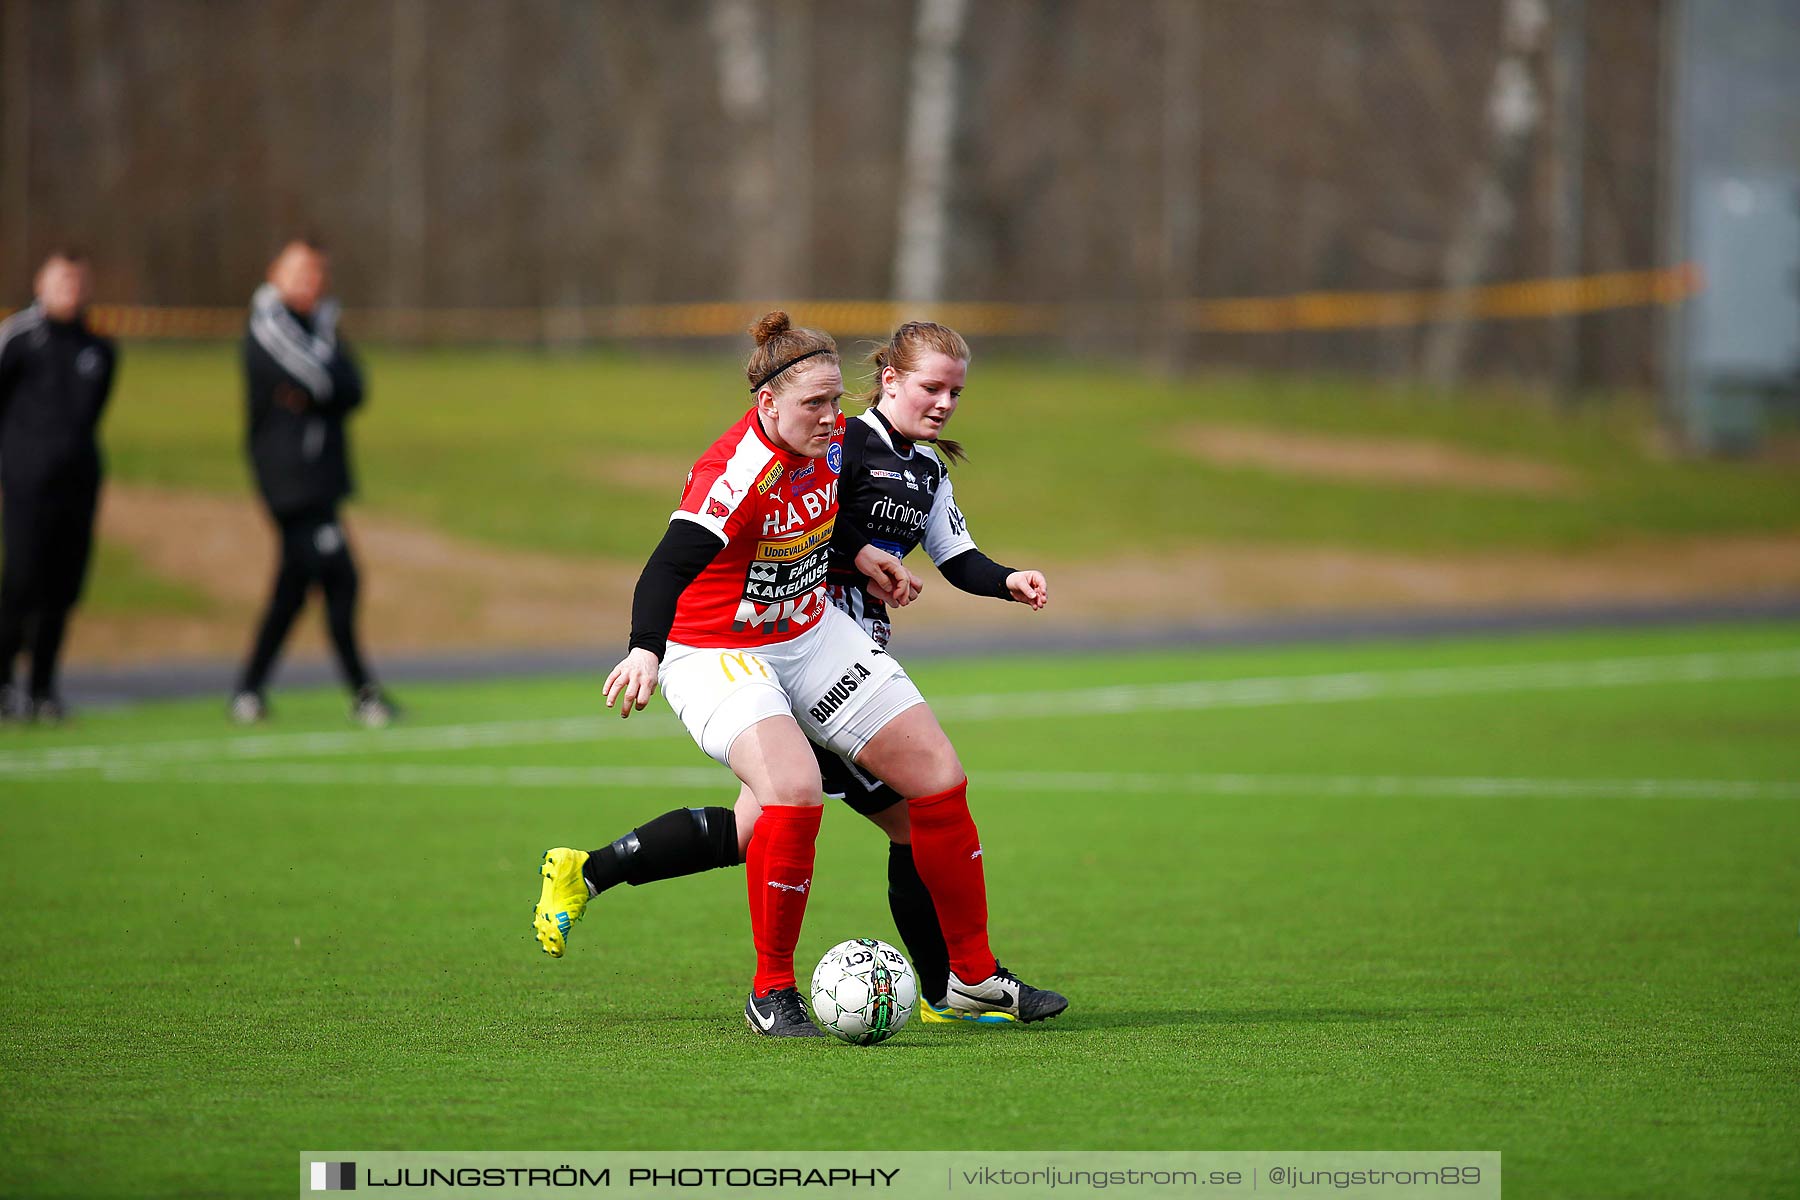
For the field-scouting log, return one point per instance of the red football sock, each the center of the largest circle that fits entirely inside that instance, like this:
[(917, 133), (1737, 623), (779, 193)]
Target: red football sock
[(947, 852), (779, 867)]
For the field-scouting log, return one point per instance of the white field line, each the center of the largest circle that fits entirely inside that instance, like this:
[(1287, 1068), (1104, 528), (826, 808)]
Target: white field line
[(1382, 685), (1081, 782), (548, 731), (1198, 695)]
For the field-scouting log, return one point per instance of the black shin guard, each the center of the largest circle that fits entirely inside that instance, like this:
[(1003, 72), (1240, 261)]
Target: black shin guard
[(683, 842), (917, 921)]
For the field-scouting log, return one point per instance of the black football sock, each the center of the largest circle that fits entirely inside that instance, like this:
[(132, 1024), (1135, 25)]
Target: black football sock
[(917, 921), (683, 842)]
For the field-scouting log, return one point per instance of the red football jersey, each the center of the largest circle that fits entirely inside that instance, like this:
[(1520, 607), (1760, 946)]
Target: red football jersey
[(774, 510)]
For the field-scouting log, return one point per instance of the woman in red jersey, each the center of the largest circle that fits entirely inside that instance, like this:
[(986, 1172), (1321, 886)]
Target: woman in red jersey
[(730, 618), (894, 492)]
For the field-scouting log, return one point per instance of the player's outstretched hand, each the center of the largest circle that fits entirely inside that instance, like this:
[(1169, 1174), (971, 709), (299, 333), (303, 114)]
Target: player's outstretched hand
[(1028, 587), (889, 580), (632, 682)]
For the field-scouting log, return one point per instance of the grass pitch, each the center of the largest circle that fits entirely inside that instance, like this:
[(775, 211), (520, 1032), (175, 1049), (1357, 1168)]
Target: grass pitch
[(1535, 895), (524, 432)]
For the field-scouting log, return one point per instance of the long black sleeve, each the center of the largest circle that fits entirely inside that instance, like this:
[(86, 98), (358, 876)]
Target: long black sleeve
[(104, 384), (684, 552), (346, 378), (976, 573), (11, 356)]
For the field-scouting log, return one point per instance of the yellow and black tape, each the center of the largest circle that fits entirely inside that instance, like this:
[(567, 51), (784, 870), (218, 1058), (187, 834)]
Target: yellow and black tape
[(1520, 300)]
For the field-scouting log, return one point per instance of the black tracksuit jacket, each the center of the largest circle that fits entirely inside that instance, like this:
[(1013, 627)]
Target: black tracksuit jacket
[(301, 383), (55, 377)]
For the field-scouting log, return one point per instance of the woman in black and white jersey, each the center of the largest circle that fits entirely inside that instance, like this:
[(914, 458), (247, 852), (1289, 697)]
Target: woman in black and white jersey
[(894, 493)]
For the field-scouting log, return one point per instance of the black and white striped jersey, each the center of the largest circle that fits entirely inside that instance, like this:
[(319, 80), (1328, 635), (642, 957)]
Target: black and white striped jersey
[(896, 494)]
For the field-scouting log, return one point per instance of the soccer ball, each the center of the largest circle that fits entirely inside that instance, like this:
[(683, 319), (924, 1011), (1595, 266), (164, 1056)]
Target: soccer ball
[(864, 991)]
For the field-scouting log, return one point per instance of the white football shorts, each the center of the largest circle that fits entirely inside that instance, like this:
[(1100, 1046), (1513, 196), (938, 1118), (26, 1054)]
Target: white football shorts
[(833, 679)]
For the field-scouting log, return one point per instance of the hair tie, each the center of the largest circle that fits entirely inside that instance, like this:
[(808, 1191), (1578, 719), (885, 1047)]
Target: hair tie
[(758, 385)]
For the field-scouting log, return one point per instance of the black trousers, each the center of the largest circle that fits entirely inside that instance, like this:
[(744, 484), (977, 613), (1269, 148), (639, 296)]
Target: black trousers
[(314, 550), (49, 538)]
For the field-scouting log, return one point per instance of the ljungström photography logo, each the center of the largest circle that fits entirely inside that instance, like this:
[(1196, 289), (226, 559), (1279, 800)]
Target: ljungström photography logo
[(334, 1177)]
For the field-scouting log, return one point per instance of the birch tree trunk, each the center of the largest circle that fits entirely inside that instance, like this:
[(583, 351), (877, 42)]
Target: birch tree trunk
[(921, 250), (406, 286), (1180, 172), (1514, 111), (1568, 154), (742, 56), (15, 163)]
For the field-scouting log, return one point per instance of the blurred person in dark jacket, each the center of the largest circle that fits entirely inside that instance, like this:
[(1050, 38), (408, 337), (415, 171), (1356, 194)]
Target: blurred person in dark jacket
[(55, 375), (301, 385)]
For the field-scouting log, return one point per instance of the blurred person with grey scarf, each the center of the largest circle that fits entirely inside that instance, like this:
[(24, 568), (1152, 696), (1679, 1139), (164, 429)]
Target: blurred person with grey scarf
[(301, 385)]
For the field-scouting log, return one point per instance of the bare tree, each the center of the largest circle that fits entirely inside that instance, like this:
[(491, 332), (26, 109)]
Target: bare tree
[(16, 162), (922, 248), (742, 55), (789, 261), (1514, 111), (1180, 169), (1567, 156), (406, 157)]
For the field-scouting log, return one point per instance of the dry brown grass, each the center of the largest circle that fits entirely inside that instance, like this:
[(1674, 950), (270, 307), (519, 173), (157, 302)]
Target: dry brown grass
[(1405, 462), (423, 590)]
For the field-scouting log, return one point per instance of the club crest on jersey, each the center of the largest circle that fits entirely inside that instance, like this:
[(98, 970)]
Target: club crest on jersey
[(769, 478), (834, 457)]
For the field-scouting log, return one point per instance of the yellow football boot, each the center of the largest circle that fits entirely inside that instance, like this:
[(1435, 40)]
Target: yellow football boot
[(563, 899), (943, 1014)]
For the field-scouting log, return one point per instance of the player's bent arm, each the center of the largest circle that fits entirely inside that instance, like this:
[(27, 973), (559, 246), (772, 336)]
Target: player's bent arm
[(685, 550), (850, 540), (889, 580), (976, 573)]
